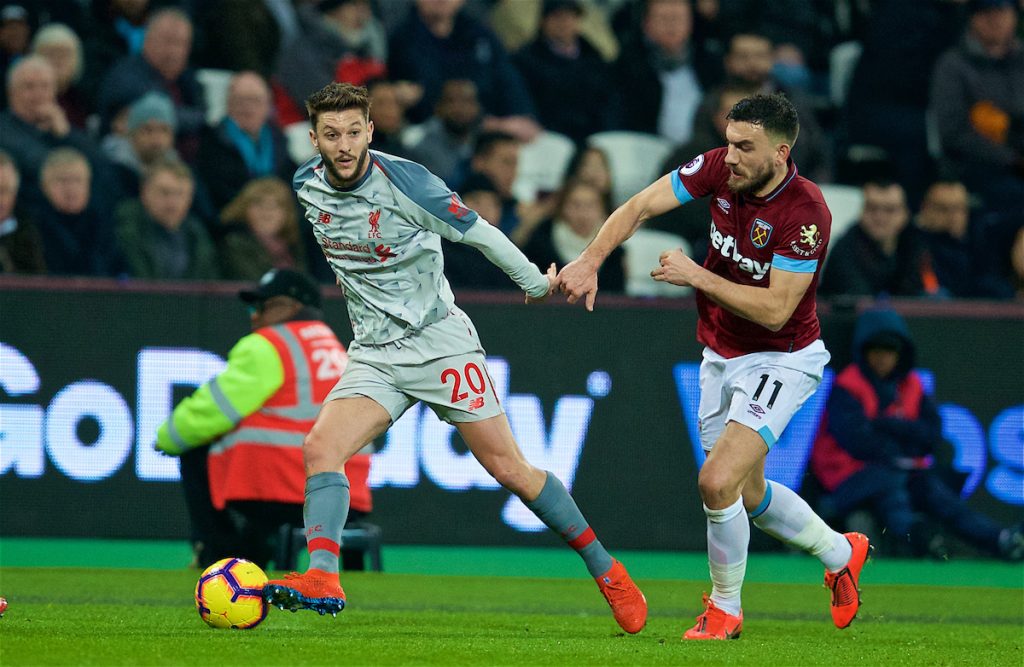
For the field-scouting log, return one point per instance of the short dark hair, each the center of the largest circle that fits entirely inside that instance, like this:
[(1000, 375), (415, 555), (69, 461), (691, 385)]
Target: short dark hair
[(486, 142), (337, 97), (775, 113), (881, 181)]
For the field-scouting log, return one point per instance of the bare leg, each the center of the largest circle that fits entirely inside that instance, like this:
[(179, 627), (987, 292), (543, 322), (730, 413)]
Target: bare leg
[(343, 428), (494, 447)]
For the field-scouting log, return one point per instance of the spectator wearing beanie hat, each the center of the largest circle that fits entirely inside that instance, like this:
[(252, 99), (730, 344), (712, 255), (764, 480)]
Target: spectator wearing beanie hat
[(151, 122)]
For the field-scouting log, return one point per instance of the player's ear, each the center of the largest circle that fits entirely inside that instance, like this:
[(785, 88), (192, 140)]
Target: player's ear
[(369, 131), (312, 138), (782, 153)]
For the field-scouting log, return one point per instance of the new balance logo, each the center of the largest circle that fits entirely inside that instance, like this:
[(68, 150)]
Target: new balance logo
[(324, 218), (476, 403)]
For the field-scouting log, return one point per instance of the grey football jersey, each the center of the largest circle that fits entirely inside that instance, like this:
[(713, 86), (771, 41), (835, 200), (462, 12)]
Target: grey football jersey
[(382, 238)]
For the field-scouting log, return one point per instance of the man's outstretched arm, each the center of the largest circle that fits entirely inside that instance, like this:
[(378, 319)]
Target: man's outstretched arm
[(578, 278)]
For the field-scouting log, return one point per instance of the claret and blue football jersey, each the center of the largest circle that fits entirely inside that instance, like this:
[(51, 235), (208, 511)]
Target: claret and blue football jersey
[(787, 229)]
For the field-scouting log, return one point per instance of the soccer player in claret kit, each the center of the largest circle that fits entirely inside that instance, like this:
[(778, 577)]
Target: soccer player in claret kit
[(763, 356), (379, 220)]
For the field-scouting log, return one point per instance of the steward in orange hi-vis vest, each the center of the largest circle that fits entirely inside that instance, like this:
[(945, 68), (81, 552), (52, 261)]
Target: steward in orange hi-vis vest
[(254, 416), (261, 459)]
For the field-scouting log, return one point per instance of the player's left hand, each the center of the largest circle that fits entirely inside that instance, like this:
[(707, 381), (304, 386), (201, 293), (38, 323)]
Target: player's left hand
[(552, 276), (676, 268)]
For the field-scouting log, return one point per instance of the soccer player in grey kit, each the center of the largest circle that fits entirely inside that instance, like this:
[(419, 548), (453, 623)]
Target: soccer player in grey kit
[(379, 220)]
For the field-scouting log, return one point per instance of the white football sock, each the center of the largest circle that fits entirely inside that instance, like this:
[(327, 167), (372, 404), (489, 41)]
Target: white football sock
[(787, 517), (728, 539)]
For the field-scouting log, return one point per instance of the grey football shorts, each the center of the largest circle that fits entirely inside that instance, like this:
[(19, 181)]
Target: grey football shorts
[(442, 365)]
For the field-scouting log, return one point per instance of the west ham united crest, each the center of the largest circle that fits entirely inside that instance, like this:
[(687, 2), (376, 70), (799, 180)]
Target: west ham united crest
[(760, 232)]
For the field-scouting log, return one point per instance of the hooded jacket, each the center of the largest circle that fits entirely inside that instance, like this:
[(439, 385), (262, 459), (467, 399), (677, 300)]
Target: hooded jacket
[(872, 420)]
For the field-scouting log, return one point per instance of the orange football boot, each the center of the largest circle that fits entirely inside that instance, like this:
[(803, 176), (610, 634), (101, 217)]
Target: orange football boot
[(844, 583), (629, 606), (315, 590), (715, 623)]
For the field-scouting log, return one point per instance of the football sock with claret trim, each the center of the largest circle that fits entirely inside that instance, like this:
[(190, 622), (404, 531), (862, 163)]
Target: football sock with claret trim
[(787, 517), (728, 539), (556, 508), (324, 513)]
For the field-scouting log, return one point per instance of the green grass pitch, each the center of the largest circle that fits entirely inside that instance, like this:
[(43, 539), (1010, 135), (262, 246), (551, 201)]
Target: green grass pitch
[(79, 616)]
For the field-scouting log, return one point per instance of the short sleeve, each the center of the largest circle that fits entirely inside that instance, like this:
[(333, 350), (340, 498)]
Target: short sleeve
[(700, 176), (801, 245)]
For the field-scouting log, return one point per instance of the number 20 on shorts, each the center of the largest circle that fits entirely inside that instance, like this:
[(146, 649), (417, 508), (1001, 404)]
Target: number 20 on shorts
[(474, 378)]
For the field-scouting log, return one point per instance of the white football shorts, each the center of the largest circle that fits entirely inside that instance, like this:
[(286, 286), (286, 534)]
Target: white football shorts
[(762, 390)]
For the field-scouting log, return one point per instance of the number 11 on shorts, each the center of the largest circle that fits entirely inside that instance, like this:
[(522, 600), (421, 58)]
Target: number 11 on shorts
[(760, 388)]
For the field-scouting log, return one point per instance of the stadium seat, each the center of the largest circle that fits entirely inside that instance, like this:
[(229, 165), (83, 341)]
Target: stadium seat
[(365, 537), (299, 147), (542, 165), (845, 202), (842, 61), (215, 84), (643, 250), (412, 135), (634, 158)]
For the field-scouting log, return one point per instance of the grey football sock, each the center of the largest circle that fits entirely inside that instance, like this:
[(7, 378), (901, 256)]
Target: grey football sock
[(324, 513)]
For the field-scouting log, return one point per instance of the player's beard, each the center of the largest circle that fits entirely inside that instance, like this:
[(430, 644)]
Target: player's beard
[(339, 181), (754, 182)]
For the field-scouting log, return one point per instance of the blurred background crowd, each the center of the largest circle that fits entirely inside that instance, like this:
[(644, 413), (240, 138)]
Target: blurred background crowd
[(157, 139)]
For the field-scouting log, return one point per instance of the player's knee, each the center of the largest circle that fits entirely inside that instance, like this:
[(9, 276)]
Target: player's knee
[(316, 453), (717, 489), (513, 475), (509, 477)]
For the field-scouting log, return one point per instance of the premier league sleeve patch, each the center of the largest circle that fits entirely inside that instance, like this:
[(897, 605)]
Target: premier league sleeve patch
[(693, 166), (760, 232)]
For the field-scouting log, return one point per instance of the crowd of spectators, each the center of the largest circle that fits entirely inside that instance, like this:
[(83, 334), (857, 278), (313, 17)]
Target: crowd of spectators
[(113, 161)]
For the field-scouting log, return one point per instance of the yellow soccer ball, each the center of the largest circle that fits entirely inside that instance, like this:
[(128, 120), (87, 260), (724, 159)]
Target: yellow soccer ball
[(229, 594)]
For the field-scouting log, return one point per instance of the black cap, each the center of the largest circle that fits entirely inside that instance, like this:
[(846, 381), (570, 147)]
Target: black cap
[(552, 6), (284, 282)]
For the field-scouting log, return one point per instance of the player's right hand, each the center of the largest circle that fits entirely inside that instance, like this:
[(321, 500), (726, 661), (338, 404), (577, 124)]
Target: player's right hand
[(552, 276), (578, 279)]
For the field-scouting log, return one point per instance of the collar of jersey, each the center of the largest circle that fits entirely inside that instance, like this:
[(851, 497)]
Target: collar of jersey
[(790, 175), (358, 184)]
